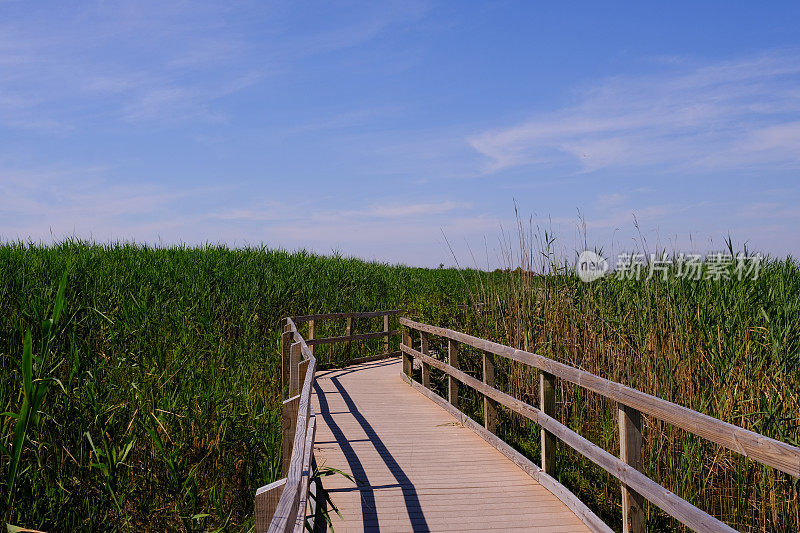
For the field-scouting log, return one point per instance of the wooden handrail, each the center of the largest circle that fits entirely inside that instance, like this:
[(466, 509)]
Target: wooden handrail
[(331, 316), (765, 450), (287, 510), (634, 482)]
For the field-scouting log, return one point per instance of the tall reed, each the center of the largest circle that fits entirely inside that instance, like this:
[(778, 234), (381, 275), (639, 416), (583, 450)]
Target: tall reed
[(729, 348)]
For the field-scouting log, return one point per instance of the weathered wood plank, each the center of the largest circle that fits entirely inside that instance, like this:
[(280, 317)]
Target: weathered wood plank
[(763, 449), (591, 520), (292, 327), (288, 429), (580, 509), (266, 501), (514, 456)]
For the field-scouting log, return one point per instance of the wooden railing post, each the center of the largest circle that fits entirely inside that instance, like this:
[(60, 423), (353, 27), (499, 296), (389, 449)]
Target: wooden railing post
[(348, 332), (630, 452), (489, 405), (288, 429), (547, 404), (286, 343), (407, 358), (426, 368), (452, 383), (386, 330), (294, 374), (265, 503), (312, 331)]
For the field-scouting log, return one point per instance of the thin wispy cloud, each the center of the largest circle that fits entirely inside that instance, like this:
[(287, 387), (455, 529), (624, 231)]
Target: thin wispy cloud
[(694, 118), (612, 199), (160, 62), (414, 209)]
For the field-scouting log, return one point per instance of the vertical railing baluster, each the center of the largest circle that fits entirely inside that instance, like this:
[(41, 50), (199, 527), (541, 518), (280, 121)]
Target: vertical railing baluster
[(312, 332), (630, 452), (348, 332), (406, 357), (452, 383), (386, 330), (547, 403), (426, 368), (489, 405)]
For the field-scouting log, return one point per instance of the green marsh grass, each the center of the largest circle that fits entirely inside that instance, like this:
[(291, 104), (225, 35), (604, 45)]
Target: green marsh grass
[(161, 374), (166, 410)]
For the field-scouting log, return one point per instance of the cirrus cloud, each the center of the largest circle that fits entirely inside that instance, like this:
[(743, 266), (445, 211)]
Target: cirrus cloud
[(731, 114)]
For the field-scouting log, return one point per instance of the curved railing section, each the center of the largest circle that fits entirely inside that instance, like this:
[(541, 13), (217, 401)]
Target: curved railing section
[(283, 506)]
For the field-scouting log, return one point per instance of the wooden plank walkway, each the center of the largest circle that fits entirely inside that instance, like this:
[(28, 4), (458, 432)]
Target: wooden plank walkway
[(418, 468)]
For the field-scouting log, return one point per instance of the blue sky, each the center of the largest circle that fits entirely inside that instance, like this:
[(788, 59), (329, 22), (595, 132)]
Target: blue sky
[(377, 128)]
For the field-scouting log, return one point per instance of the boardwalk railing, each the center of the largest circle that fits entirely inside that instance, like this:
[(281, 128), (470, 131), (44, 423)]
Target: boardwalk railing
[(636, 486), (282, 506)]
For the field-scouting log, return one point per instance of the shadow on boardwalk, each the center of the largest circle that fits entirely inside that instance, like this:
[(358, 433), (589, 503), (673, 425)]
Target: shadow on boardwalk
[(417, 468), (370, 518)]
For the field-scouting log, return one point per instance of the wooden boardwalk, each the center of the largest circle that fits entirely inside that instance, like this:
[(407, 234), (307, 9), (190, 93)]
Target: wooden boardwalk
[(417, 468), (420, 469)]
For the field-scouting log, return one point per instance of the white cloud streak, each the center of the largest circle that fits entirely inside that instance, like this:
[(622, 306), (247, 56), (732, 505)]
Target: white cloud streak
[(718, 116)]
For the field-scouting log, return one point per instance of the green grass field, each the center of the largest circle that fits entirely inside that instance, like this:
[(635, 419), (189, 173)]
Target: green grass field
[(152, 402)]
